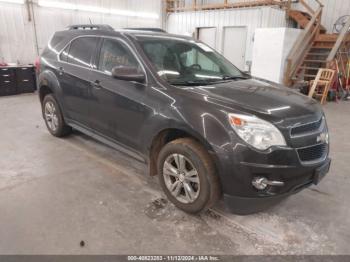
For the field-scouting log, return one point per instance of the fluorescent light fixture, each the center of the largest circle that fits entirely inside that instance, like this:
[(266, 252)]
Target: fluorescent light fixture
[(95, 9), (13, 1)]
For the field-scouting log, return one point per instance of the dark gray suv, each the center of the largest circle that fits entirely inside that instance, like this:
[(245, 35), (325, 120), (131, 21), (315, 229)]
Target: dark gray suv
[(204, 127)]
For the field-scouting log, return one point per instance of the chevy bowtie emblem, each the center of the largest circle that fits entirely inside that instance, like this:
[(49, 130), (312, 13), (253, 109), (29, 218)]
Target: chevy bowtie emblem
[(322, 138)]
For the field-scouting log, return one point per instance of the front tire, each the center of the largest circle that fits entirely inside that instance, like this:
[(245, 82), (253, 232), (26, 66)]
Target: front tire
[(187, 175), (53, 117)]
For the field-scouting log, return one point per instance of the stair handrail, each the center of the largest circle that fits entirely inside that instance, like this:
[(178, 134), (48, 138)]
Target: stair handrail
[(339, 42), (304, 41), (302, 44)]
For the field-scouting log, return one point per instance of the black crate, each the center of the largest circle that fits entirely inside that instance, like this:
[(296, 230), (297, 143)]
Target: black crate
[(16, 80), (26, 86), (25, 79), (7, 88), (25, 72)]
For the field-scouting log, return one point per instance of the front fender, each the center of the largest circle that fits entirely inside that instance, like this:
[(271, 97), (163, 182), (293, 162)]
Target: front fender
[(209, 128), (205, 127)]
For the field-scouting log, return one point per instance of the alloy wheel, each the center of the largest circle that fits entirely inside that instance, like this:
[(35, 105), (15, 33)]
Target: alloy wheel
[(181, 178), (51, 116)]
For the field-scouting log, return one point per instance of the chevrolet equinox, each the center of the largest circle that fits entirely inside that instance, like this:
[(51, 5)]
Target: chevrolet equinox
[(207, 129)]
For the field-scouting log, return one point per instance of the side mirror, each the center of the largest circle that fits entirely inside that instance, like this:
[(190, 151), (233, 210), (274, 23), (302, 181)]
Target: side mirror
[(128, 73)]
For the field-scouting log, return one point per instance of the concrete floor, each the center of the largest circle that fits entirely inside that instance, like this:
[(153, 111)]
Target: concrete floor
[(55, 193)]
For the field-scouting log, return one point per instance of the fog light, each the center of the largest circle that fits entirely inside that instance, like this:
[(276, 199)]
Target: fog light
[(261, 183)]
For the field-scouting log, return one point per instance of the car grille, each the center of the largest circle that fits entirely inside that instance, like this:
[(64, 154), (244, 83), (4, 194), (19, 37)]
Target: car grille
[(312, 153), (307, 128)]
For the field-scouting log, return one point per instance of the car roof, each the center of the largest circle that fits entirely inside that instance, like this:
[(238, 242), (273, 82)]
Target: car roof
[(80, 30), (62, 38), (142, 33)]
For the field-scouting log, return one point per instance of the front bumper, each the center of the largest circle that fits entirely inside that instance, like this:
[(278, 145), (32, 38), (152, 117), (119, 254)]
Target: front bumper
[(248, 205), (240, 164)]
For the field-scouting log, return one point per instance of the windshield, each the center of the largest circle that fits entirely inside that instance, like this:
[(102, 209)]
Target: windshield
[(184, 62)]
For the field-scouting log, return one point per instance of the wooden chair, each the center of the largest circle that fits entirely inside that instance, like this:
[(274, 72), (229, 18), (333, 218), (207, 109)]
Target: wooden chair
[(320, 86)]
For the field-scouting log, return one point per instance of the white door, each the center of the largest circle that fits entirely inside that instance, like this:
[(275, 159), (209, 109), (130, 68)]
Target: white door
[(234, 45), (208, 36)]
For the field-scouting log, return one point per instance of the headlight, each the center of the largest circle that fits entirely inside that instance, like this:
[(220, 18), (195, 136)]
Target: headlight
[(256, 132)]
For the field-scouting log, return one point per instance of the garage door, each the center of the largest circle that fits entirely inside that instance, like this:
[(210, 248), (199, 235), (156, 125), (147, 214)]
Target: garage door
[(234, 45)]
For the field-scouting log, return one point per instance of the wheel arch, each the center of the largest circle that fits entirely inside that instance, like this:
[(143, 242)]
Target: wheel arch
[(48, 84), (44, 91), (167, 135)]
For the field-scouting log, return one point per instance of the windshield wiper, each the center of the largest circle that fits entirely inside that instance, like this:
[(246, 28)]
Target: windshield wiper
[(207, 82), (193, 83), (235, 77)]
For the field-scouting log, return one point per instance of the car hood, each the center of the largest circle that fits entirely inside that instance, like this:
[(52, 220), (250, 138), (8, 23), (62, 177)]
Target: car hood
[(271, 102)]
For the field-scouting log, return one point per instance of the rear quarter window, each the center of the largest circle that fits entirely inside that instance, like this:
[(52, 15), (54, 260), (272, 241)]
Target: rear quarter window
[(64, 54), (82, 50)]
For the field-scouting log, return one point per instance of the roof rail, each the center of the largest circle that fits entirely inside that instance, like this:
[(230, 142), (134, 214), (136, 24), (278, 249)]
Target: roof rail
[(90, 27), (152, 29)]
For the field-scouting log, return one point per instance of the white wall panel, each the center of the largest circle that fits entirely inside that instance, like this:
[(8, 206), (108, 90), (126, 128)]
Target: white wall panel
[(16, 34), (271, 47), (186, 22), (17, 41)]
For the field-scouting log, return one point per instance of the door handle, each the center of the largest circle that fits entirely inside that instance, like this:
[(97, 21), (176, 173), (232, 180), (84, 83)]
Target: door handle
[(96, 84), (60, 70)]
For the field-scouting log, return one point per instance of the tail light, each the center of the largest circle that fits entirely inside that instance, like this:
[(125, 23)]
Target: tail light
[(37, 65)]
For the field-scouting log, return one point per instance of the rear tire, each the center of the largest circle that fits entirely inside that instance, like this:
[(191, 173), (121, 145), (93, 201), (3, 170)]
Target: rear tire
[(188, 176), (53, 117)]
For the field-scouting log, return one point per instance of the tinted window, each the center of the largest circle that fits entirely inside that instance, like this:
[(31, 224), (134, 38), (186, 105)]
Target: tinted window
[(81, 50), (64, 54), (114, 53)]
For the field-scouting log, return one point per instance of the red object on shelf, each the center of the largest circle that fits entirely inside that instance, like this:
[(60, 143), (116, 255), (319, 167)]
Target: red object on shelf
[(3, 64), (37, 64)]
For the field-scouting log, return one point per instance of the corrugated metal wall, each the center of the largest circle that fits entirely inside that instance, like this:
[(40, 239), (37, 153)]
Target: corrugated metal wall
[(17, 36), (333, 9), (187, 22)]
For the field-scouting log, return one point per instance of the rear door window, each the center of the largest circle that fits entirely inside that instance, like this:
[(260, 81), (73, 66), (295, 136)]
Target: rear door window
[(82, 50)]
